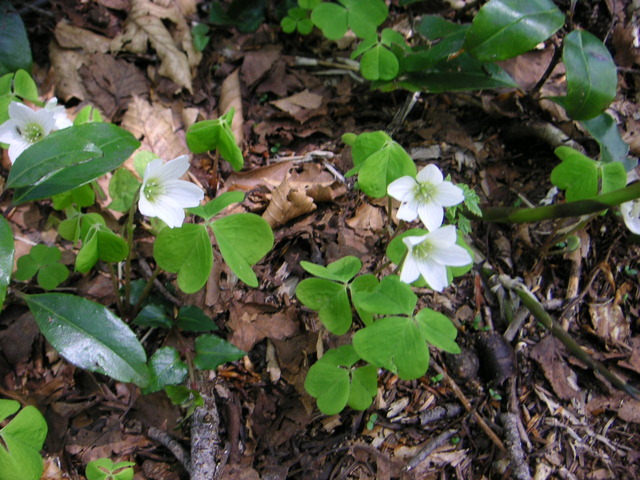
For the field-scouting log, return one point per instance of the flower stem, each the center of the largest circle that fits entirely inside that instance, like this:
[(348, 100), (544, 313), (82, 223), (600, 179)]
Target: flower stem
[(116, 287), (145, 293), (561, 210), (127, 266)]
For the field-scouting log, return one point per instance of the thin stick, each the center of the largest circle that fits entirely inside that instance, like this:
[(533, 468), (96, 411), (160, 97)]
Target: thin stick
[(428, 448), (178, 451)]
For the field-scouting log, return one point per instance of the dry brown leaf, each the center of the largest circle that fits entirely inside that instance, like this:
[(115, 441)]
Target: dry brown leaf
[(253, 323), (286, 204), (70, 36), (610, 322), (231, 97), (145, 25), (155, 124), (270, 176), (66, 64), (259, 62), (366, 217), (299, 101)]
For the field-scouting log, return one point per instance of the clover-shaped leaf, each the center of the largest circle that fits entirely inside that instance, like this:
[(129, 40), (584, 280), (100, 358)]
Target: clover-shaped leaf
[(122, 189), (390, 297), (297, 19), (98, 243), (243, 239), (45, 262), (330, 300), (335, 382), (361, 17), (218, 204), (21, 441), (105, 469), (83, 196), (216, 134), (186, 251), (394, 343), (341, 270), (438, 330)]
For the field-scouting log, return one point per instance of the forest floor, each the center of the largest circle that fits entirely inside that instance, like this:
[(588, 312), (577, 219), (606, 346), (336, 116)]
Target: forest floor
[(530, 391)]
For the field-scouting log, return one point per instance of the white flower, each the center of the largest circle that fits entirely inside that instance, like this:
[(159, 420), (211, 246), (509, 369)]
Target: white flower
[(163, 195), (59, 114), (428, 255), (631, 215), (25, 127), (424, 196)]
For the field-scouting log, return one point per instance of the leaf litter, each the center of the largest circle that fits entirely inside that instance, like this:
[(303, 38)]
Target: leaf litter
[(138, 67)]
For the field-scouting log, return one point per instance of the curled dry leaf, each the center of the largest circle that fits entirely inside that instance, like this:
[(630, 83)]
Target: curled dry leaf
[(231, 97), (145, 25), (154, 124), (67, 65), (286, 204)]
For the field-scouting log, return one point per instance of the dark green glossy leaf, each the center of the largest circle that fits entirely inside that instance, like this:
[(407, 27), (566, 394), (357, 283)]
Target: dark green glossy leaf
[(165, 368), (212, 351), (68, 158), (6, 257), (15, 52), (592, 77), (506, 28), (612, 148), (153, 315), (193, 319), (88, 335)]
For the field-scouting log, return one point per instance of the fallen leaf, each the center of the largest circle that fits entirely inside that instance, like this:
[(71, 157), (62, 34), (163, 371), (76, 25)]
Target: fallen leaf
[(563, 380), (70, 36), (231, 97), (300, 106), (270, 176), (253, 323), (366, 217), (154, 125), (145, 26), (67, 65), (610, 322), (259, 62), (286, 204)]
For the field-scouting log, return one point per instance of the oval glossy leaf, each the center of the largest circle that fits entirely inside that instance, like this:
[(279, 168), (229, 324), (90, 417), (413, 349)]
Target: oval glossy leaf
[(612, 148), (212, 351), (68, 158), (165, 368), (506, 28), (394, 343), (6, 257), (592, 77), (243, 239), (21, 441), (90, 336), (186, 251), (193, 319), (15, 52), (341, 270)]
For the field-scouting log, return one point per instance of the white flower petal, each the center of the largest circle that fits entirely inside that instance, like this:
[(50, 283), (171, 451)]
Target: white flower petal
[(430, 174), (431, 214), (408, 211), (448, 195), (20, 113), (402, 189), (631, 215), (435, 274), (184, 193), (409, 272), (152, 170), (16, 149), (9, 132), (453, 255), (444, 236), (174, 169), (412, 241)]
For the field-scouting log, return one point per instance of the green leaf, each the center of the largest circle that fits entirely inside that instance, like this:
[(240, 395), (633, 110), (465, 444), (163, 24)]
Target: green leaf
[(141, 160), (330, 300), (88, 114), (6, 257), (331, 19), (577, 174), (365, 145), (341, 270), (200, 35), (153, 315), (81, 197), (68, 158), (592, 77), (186, 251), (105, 469), (394, 343), (334, 384), (218, 204), (244, 239), (612, 148), (99, 243), (44, 261), (216, 134), (362, 285), (25, 87), (383, 167), (390, 297), (165, 368), (379, 63), (123, 187), (88, 335), (364, 17), (212, 351), (21, 441), (613, 176), (506, 28), (438, 330), (193, 319), (449, 44), (15, 52)]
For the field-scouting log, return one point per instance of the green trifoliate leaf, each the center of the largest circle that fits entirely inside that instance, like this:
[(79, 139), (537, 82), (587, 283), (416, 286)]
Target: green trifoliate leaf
[(45, 262), (332, 19), (218, 204), (577, 174), (122, 189), (438, 330), (360, 286), (341, 270), (330, 300), (390, 297), (105, 469), (99, 243), (185, 250), (88, 114), (81, 197), (216, 134)]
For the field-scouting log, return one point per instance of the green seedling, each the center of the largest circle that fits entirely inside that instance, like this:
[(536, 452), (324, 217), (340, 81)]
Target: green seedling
[(105, 469), (45, 262)]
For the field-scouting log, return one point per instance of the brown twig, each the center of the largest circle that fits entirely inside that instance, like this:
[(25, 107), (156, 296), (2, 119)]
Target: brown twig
[(428, 448)]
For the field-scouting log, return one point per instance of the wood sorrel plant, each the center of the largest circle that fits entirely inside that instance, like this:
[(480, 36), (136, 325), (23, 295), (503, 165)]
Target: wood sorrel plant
[(61, 163)]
